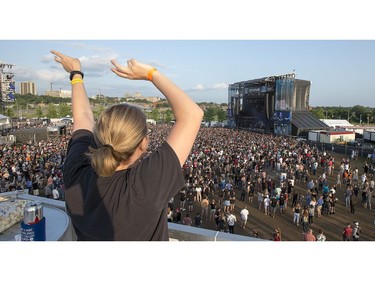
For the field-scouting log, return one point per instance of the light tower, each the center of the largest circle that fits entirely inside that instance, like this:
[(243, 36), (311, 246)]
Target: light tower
[(7, 84)]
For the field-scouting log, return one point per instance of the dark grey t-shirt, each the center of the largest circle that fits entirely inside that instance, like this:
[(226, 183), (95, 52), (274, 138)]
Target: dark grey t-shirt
[(129, 205)]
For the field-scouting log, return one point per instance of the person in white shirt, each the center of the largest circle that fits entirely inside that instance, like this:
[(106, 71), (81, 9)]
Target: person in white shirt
[(363, 178), (244, 215), (231, 220), (198, 190), (321, 237), (267, 205), (356, 231), (55, 193)]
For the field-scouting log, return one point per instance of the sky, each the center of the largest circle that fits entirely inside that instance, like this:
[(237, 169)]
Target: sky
[(202, 47), (340, 70)]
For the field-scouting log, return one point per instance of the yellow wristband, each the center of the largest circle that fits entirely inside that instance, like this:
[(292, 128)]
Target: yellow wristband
[(76, 80), (150, 73)]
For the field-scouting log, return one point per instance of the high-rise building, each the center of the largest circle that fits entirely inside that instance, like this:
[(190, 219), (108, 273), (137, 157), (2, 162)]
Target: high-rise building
[(28, 88)]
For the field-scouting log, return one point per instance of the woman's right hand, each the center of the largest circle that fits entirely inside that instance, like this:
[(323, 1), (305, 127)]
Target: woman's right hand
[(134, 70)]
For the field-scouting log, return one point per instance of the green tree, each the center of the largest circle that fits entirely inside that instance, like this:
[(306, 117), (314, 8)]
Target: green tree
[(360, 113), (210, 114), (9, 112), (98, 110), (52, 111), (162, 105), (318, 112), (221, 114), (155, 114), (168, 115), (39, 112), (64, 110)]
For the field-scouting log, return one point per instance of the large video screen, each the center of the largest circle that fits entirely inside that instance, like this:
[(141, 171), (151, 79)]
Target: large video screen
[(281, 116), (284, 93)]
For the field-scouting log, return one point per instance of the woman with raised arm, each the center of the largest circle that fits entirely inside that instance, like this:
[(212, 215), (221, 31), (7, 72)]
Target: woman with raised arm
[(112, 191)]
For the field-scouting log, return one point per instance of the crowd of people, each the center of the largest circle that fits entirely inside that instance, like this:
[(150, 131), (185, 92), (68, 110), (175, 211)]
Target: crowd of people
[(225, 162), (34, 166), (225, 166)]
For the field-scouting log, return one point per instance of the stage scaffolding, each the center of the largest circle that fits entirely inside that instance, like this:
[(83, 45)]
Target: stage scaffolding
[(267, 104)]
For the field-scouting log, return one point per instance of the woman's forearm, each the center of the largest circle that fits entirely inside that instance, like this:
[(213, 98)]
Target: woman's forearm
[(187, 113), (82, 113), (183, 107)]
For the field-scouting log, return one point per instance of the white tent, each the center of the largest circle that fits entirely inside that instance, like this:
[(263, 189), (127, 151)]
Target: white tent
[(333, 123)]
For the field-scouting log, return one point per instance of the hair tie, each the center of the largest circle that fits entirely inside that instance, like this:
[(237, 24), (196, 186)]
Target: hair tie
[(117, 157), (109, 146)]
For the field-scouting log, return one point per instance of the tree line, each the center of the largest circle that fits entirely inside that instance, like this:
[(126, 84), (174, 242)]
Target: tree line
[(356, 114), (33, 106)]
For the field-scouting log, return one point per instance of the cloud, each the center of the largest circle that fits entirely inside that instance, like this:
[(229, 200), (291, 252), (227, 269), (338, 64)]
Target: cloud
[(198, 87), (97, 64), (218, 86), (47, 58), (29, 74)]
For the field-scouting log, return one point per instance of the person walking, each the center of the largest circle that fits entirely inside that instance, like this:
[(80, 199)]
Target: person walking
[(277, 234), (205, 204), (282, 203), (319, 206), (297, 214), (243, 190), (332, 203), (321, 237), (55, 193), (312, 212), (48, 190), (273, 206), (187, 220), (212, 209), (197, 220), (232, 201), (352, 202), (190, 199), (266, 203), (347, 232), (305, 219), (348, 193), (231, 220), (244, 216), (309, 236), (356, 231), (109, 178), (260, 200), (182, 194), (226, 201)]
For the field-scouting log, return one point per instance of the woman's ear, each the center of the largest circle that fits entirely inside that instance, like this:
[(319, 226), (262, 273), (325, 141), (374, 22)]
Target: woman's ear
[(144, 144)]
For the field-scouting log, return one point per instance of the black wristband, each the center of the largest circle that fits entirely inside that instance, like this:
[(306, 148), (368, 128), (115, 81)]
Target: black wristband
[(74, 72)]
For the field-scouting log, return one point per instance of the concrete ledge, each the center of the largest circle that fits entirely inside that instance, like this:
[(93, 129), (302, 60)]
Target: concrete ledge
[(180, 232)]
